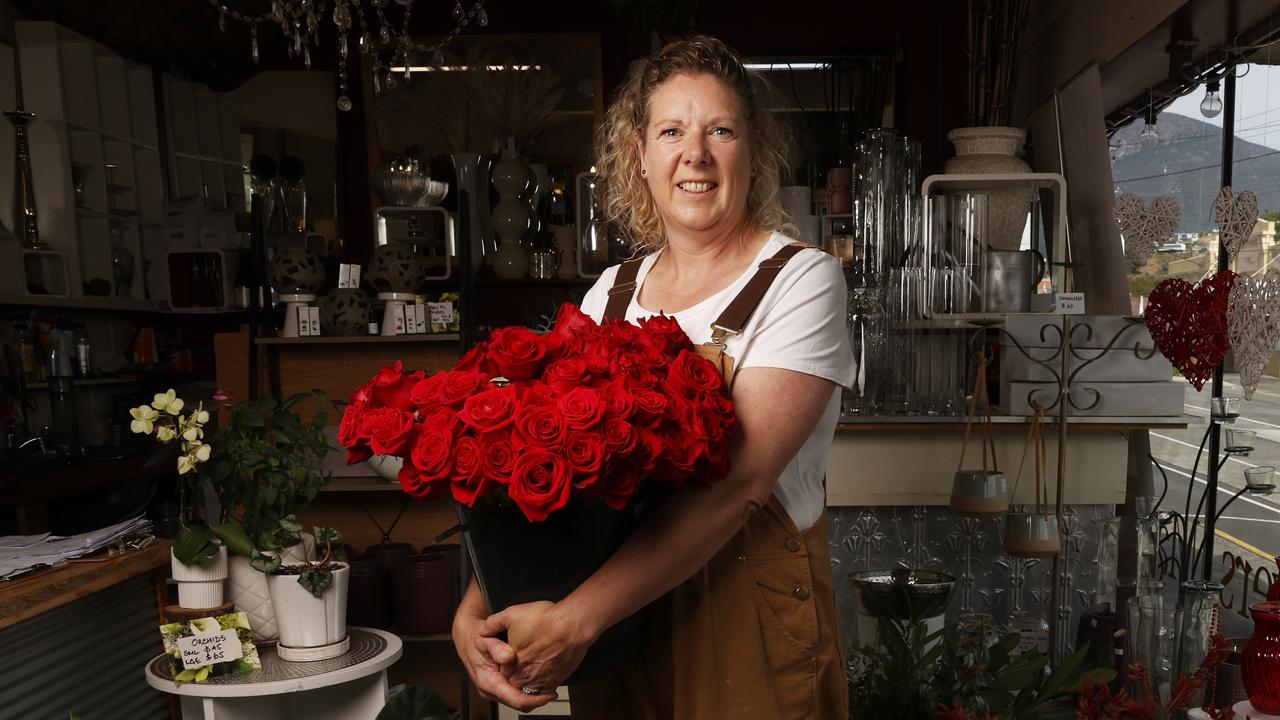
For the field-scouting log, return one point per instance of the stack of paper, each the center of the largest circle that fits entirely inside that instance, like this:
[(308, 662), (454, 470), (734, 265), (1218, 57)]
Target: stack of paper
[(21, 553)]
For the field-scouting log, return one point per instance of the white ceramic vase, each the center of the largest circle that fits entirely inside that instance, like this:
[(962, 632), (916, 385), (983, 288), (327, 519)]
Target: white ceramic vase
[(248, 589), (200, 586), (307, 621), (987, 150)]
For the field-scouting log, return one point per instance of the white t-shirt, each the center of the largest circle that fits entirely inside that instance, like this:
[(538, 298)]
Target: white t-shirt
[(799, 325)]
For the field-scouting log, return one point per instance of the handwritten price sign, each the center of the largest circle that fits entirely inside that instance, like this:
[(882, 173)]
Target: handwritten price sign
[(201, 650)]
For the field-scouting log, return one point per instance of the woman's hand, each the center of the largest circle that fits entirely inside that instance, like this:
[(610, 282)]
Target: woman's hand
[(484, 656), (548, 644)]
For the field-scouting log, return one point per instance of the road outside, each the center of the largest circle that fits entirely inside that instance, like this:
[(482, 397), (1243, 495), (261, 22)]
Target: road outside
[(1249, 530)]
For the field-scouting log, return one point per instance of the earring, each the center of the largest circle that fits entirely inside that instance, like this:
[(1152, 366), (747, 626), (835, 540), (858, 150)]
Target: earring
[(644, 171)]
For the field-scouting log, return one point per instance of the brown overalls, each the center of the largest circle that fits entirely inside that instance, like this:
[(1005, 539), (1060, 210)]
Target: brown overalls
[(753, 634)]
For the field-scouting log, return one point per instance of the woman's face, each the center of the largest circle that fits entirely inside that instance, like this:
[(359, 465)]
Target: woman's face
[(696, 155)]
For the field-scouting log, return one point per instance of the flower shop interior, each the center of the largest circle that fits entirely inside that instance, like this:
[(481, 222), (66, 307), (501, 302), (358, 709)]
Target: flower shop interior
[(1050, 490)]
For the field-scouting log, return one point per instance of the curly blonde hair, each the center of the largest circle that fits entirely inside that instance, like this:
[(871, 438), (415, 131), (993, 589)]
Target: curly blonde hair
[(627, 201)]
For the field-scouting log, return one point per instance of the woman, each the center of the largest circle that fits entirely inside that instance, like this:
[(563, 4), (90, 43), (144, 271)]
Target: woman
[(740, 573)]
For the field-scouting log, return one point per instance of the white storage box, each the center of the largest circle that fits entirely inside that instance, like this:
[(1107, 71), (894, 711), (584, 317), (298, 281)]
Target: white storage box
[(1026, 329), (1124, 399), (1120, 364)]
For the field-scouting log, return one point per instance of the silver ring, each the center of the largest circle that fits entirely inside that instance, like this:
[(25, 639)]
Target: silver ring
[(529, 691)]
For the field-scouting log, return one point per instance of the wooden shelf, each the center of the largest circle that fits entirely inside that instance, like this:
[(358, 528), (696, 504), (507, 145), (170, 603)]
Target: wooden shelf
[(360, 484), (531, 282), (87, 303), (360, 339)]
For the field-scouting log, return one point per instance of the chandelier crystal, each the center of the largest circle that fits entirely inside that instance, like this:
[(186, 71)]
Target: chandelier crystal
[(299, 22)]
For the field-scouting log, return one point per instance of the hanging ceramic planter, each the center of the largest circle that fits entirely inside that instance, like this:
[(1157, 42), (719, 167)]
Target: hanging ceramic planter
[(1034, 533), (979, 493)]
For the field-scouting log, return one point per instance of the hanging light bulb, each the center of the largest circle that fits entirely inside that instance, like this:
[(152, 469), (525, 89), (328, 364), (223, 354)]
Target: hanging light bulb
[(1212, 103), (1149, 137)]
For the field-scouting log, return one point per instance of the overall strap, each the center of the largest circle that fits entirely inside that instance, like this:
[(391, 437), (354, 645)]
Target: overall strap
[(739, 310), (624, 286)]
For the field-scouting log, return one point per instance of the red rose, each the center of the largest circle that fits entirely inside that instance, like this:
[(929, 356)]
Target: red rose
[(581, 408), (387, 429), (664, 334), (477, 360), (597, 361), (432, 454), (468, 479), (421, 485), (622, 485), (680, 453), (458, 385), (425, 394), (619, 436), (539, 426), (570, 320), (444, 419), (517, 352), (650, 405), (490, 410), (618, 401), (585, 453), (540, 484), (349, 429), (566, 374), (499, 456), (391, 387), (692, 375), (647, 450)]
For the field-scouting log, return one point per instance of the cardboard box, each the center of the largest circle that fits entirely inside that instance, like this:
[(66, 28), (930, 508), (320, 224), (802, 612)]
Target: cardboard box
[(420, 316), (1098, 330), (314, 312), (398, 315)]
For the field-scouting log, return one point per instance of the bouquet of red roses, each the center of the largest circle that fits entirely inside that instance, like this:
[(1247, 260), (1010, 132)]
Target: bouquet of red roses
[(585, 410)]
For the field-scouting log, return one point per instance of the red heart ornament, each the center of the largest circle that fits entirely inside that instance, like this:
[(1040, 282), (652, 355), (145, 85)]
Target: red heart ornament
[(1189, 323)]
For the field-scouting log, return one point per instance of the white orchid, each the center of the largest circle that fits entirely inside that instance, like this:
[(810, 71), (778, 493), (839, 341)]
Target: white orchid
[(168, 402), (143, 419), (197, 453), (166, 433)]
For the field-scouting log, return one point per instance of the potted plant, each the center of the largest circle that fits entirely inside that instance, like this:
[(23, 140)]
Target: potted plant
[(310, 599), (198, 562), (265, 464)]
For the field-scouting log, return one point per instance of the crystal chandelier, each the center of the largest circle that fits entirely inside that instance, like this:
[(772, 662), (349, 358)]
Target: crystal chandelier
[(299, 22)]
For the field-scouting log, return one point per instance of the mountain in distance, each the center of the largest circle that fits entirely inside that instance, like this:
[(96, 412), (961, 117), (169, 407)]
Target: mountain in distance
[(1184, 164)]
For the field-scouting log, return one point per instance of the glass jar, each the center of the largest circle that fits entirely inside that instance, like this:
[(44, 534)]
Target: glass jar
[(1260, 665)]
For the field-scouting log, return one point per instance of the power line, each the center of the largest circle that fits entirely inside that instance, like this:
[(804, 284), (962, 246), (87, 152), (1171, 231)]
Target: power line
[(1195, 169)]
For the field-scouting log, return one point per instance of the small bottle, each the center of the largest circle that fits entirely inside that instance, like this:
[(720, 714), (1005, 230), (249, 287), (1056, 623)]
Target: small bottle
[(84, 351), (27, 363)]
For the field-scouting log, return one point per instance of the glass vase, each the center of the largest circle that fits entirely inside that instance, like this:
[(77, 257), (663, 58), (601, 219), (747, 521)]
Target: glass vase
[(1260, 665)]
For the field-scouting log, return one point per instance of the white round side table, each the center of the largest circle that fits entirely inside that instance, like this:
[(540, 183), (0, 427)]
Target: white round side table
[(352, 686)]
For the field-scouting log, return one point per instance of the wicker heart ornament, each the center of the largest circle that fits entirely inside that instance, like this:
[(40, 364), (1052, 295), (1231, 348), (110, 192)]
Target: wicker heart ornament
[(1253, 326), (1189, 324), (1236, 215), (1146, 228)]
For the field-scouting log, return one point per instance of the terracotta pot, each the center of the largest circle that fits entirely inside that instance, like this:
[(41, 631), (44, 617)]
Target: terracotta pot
[(979, 493), (1031, 534)]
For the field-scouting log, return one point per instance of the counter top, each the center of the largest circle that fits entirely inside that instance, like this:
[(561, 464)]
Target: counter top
[(45, 590)]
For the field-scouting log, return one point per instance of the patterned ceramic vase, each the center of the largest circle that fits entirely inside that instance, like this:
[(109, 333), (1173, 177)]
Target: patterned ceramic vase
[(986, 150), (345, 311)]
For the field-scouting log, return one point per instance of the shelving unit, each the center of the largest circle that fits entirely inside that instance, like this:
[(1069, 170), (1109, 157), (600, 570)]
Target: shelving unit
[(203, 135), (359, 339), (94, 111)]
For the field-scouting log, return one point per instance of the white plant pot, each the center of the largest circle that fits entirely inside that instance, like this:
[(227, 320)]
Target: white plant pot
[(200, 586), (307, 621), (387, 466), (248, 589)]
